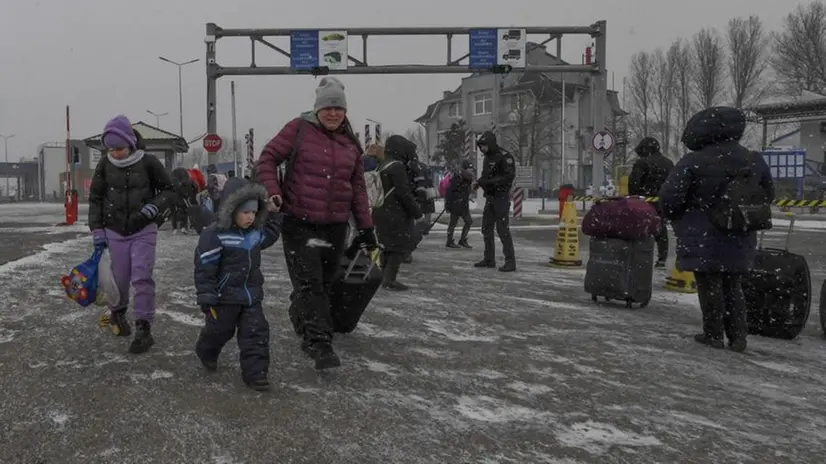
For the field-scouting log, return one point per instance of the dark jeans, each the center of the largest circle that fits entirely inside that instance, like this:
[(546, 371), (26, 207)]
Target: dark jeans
[(722, 304), (662, 241), (253, 333), (495, 215), (454, 219), (313, 253)]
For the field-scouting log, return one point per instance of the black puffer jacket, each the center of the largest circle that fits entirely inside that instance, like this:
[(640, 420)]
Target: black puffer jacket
[(228, 259), (184, 186), (651, 169), (498, 170), (394, 220), (117, 195)]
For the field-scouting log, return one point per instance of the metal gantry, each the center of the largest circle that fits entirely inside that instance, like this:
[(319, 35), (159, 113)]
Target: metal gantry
[(362, 65)]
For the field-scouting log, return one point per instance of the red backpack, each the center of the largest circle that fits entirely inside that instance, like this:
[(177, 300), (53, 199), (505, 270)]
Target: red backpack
[(444, 185)]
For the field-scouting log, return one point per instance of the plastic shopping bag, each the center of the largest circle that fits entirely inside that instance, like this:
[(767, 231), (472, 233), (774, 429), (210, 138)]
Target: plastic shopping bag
[(108, 291), (81, 284)]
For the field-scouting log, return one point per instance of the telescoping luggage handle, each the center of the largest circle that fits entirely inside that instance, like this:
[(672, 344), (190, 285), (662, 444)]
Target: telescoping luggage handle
[(353, 265), (788, 236)]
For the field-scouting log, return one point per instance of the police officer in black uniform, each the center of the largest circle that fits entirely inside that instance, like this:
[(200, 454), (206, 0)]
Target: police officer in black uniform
[(497, 177)]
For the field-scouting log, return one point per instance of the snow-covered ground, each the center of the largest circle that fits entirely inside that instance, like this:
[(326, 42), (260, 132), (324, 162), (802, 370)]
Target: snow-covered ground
[(470, 366)]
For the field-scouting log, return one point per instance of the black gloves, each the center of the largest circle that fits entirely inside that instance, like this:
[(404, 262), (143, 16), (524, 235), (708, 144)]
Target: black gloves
[(366, 239)]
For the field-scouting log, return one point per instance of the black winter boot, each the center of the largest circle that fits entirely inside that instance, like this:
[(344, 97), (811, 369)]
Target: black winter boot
[(712, 342), (322, 353), (464, 244), (118, 323), (509, 266), (259, 384), (143, 338), (391, 271), (451, 243), (485, 263)]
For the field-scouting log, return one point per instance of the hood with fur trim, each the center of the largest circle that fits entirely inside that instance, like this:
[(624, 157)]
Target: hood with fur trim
[(238, 191)]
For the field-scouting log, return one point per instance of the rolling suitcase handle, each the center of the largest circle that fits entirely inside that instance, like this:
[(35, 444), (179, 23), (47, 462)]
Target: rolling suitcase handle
[(788, 236), (353, 262)]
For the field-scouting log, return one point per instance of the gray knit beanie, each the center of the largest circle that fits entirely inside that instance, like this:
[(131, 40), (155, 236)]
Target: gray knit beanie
[(330, 94)]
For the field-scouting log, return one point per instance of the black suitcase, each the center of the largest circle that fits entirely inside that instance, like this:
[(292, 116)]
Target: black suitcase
[(353, 288), (620, 270), (778, 292)]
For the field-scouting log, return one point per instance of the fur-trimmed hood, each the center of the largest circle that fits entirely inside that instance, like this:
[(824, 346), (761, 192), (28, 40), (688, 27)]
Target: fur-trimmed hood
[(238, 191)]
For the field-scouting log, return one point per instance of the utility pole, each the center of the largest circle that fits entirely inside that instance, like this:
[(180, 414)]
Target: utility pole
[(180, 87), (6, 146), (157, 117), (234, 130)]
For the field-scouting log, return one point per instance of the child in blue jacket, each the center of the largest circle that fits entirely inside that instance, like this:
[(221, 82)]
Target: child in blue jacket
[(229, 282)]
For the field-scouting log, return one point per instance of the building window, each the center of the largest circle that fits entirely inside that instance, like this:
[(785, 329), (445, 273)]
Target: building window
[(482, 104), (440, 136), (453, 110)]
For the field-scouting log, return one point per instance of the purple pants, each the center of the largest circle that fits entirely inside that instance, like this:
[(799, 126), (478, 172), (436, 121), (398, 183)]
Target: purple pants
[(133, 261)]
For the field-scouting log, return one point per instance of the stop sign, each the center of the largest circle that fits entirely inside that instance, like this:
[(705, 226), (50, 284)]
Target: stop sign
[(213, 143)]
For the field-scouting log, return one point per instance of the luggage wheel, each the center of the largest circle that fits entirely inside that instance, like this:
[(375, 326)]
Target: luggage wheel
[(629, 303), (593, 298), (644, 303)]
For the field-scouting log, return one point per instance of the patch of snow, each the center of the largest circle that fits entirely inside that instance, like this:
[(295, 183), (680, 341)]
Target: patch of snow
[(58, 418), (487, 409), (181, 318), (529, 388), (779, 367), (155, 375), (375, 366), (598, 438), (456, 334), (42, 258)]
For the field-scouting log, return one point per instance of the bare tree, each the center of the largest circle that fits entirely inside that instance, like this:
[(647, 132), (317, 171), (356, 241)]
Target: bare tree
[(747, 44), (662, 94), (799, 57), (710, 57), (684, 71), (639, 86), (530, 134)]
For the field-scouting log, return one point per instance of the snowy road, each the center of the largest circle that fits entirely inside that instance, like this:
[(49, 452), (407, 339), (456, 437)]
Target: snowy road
[(470, 366)]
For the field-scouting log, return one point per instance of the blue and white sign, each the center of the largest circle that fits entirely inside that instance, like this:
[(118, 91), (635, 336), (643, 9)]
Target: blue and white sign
[(314, 49), (491, 47), (786, 164)]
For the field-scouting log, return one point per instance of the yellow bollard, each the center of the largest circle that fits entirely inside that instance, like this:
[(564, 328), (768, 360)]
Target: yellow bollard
[(568, 252)]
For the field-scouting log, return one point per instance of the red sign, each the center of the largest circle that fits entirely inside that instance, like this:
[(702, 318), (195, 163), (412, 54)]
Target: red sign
[(213, 143)]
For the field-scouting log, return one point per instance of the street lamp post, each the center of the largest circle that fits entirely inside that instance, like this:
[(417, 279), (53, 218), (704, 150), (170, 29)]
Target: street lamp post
[(157, 117), (180, 87), (6, 148)]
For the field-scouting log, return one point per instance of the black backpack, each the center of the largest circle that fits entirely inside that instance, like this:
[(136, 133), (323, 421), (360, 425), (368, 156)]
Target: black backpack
[(742, 204)]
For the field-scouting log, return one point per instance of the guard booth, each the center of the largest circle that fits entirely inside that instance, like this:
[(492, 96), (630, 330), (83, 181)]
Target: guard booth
[(26, 174), (160, 143), (623, 173)]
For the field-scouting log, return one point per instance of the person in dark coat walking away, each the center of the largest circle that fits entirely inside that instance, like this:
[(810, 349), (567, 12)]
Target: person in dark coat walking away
[(457, 203), (719, 259), (396, 217), (185, 190), (498, 173), (130, 192), (323, 184), (229, 282), (647, 177), (422, 187)]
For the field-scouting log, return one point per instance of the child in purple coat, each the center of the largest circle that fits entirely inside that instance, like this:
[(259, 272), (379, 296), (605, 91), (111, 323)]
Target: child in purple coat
[(130, 191)]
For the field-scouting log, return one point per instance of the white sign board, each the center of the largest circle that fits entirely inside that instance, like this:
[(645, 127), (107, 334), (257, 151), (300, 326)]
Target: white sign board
[(94, 158), (512, 47), (332, 49), (603, 141)]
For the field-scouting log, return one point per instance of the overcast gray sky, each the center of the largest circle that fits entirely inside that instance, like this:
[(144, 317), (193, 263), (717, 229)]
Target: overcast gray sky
[(100, 56)]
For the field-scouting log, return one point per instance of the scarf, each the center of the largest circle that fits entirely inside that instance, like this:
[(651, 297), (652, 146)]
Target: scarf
[(133, 158)]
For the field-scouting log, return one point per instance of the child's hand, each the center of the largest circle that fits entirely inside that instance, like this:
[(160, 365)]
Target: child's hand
[(274, 203)]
